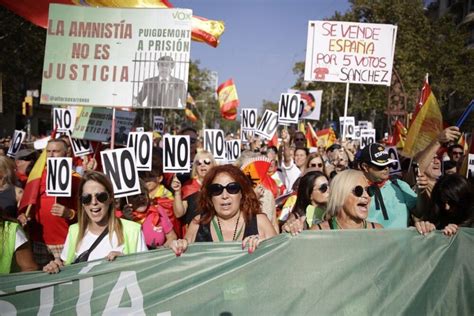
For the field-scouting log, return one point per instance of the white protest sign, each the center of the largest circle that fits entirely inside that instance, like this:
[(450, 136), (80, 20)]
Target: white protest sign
[(119, 165), (64, 120), (310, 104), (59, 176), (367, 137), (15, 143), (159, 124), (289, 108), (365, 124), (142, 144), (80, 147), (245, 135), (109, 56), (357, 132), (249, 119), (350, 52), (395, 167), (470, 165), (176, 153), (214, 140), (347, 123), (268, 125), (232, 149), (139, 129)]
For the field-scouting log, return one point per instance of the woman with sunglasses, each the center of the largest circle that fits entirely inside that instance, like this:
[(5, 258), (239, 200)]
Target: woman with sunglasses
[(185, 197), (96, 220), (229, 211), (348, 204), (315, 162), (311, 201)]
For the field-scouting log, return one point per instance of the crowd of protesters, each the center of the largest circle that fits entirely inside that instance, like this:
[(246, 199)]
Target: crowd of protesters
[(300, 188)]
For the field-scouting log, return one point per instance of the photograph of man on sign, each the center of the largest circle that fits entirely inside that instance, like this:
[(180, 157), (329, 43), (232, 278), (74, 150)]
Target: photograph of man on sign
[(163, 90)]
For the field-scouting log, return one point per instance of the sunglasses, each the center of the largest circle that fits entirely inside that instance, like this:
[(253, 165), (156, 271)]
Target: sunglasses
[(216, 189), (201, 162), (380, 168), (299, 139), (457, 152), (314, 165), (102, 197), (323, 188), (359, 191)]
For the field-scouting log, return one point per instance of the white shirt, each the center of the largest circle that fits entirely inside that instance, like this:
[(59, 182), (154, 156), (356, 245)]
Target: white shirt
[(290, 174), (20, 238), (103, 248)]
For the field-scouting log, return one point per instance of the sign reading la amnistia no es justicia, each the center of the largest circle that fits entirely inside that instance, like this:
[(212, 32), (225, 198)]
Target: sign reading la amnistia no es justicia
[(350, 52)]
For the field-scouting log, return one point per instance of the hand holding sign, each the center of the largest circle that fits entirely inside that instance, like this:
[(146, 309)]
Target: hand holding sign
[(61, 211)]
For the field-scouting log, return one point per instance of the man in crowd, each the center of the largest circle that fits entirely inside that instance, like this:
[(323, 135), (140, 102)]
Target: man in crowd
[(293, 160), (50, 216), (455, 152)]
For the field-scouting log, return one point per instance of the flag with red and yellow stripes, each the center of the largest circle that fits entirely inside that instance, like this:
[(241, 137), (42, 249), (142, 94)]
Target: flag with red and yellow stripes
[(228, 100), (190, 106), (311, 137)]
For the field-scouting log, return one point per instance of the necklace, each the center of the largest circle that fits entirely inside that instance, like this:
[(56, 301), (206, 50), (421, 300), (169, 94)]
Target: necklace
[(364, 224), (219, 233)]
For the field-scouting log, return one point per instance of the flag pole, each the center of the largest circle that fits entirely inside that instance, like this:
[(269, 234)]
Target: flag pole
[(112, 139), (346, 103)]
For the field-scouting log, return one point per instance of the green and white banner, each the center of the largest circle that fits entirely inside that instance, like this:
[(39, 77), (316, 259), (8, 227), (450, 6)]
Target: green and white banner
[(373, 272)]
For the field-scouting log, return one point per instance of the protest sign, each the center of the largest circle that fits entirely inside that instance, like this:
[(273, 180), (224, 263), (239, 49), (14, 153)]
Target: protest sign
[(59, 176), (116, 56), (15, 143), (395, 167), (367, 137), (80, 147), (249, 119), (232, 150), (120, 166), (365, 125), (64, 119), (159, 124), (214, 143), (347, 123), (357, 132), (246, 135), (470, 166), (139, 129), (268, 125), (289, 108), (96, 124), (310, 104), (176, 153), (350, 52), (142, 144)]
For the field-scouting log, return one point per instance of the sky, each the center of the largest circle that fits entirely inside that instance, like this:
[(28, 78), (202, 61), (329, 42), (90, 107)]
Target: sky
[(262, 41)]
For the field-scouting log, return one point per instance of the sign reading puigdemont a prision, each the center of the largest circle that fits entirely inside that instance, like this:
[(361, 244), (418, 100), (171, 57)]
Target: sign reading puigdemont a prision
[(350, 52), (116, 57)]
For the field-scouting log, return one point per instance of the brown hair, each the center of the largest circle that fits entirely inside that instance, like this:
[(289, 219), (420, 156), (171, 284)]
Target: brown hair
[(83, 220), (249, 204)]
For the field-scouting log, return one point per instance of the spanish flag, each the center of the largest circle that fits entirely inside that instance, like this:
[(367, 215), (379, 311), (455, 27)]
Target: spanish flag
[(311, 137), (36, 11), (399, 134), (326, 136), (190, 105), (228, 100), (427, 122)]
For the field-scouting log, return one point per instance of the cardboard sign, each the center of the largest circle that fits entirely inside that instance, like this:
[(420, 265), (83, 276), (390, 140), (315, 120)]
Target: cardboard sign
[(59, 176), (470, 166), (289, 108), (214, 140), (176, 153), (64, 119), (367, 137), (350, 52), (249, 119), (365, 124), (310, 104), (348, 123), (232, 150), (246, 135), (357, 132), (268, 125), (80, 147), (139, 129), (120, 166), (142, 144), (159, 124), (395, 167), (15, 143)]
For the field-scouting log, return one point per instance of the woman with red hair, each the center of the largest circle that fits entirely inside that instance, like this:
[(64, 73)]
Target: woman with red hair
[(228, 211)]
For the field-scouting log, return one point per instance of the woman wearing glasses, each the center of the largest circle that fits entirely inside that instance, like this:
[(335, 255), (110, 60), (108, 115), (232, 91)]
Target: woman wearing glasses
[(348, 204), (229, 211), (315, 162), (311, 201), (98, 233), (185, 197)]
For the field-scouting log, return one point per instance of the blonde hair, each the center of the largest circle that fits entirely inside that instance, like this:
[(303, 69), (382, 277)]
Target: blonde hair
[(202, 155), (341, 186), (7, 168)]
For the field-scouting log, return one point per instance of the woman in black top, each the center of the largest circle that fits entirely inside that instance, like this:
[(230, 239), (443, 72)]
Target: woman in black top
[(229, 211)]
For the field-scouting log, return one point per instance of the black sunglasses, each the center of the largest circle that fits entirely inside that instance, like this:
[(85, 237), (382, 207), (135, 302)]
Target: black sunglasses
[(299, 139), (216, 189), (323, 188), (206, 162), (314, 165), (102, 197), (359, 191), (380, 168)]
